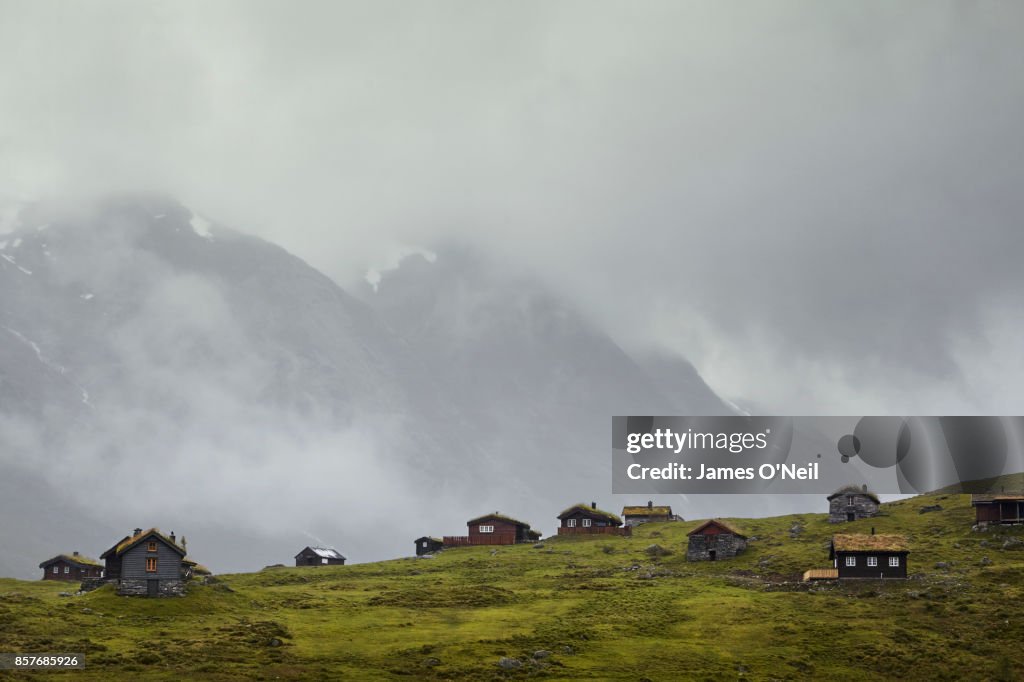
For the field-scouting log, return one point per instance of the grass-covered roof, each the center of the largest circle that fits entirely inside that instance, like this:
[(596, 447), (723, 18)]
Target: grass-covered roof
[(727, 527), (588, 509), (644, 510), (130, 541), (497, 516), (870, 543), (855, 490), (73, 559)]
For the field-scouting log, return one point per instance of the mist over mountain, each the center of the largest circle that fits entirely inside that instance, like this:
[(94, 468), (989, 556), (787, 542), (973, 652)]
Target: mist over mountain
[(157, 368)]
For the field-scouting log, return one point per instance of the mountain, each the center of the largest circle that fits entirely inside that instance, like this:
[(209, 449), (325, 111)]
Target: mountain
[(158, 368)]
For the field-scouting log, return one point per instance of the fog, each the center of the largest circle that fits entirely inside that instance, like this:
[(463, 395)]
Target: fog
[(817, 205)]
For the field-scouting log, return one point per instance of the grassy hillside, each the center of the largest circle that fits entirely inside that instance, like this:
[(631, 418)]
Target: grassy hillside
[(603, 609)]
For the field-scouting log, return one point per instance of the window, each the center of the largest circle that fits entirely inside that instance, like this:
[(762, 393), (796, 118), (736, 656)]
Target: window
[(56, 569), (486, 529), (894, 561), (872, 561), (571, 523), (151, 565), (151, 547), (586, 523), (67, 569), (851, 561), (323, 561)]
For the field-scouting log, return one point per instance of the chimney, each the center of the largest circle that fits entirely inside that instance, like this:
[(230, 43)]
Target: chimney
[(172, 538), (864, 488), (76, 553), (593, 505), (136, 532), (650, 504)]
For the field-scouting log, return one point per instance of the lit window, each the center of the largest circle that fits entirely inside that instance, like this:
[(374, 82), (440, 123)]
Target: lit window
[(851, 561), (152, 547), (586, 523), (571, 523), (151, 565), (894, 561), (872, 561), (486, 529)]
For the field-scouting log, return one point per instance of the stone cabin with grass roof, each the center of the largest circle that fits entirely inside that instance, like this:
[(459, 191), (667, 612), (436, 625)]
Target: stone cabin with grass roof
[(869, 556), (493, 529), (714, 540), (582, 519), (147, 564), (72, 566), (851, 503)]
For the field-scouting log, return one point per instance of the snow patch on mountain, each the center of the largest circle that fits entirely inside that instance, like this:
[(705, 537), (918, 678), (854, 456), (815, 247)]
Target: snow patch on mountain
[(375, 274), (13, 262), (200, 226)]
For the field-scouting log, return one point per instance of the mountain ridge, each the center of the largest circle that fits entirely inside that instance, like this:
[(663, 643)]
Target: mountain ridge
[(148, 339)]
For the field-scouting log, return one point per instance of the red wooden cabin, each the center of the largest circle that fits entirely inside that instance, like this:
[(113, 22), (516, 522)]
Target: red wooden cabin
[(493, 529)]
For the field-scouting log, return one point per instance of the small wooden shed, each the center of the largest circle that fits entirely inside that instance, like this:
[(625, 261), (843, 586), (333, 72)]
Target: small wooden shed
[(319, 556), (999, 509), (428, 545)]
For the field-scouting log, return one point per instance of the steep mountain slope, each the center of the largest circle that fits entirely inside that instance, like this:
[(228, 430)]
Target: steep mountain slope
[(159, 369), (504, 355)]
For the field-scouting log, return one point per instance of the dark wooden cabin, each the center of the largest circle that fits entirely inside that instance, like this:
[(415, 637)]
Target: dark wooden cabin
[(146, 564), (581, 519), (319, 556), (869, 556), (851, 503), (714, 540), (428, 545), (493, 529), (72, 566), (1002, 508), (636, 515)]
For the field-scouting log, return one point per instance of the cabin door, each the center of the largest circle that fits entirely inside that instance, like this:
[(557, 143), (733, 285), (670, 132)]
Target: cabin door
[(851, 516), (153, 588), (713, 555)]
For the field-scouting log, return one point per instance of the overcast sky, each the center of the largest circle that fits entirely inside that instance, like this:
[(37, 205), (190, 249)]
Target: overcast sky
[(818, 203)]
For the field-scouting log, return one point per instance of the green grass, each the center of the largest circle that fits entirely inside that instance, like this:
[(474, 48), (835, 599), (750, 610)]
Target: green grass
[(467, 608)]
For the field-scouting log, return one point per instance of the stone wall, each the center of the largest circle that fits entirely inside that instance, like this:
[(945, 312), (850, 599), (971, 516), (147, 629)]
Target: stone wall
[(90, 584), (861, 505), (724, 545), (140, 588)]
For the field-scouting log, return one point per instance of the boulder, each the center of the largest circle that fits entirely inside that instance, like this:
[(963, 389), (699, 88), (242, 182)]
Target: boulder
[(656, 550)]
